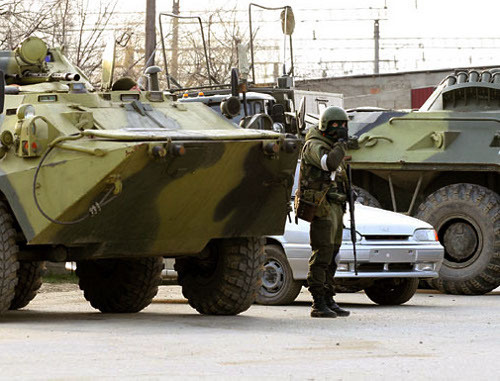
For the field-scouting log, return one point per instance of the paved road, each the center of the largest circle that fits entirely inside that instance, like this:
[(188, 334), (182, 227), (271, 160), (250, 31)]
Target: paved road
[(59, 336)]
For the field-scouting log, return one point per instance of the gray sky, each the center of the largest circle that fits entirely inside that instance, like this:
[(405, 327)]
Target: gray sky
[(336, 37)]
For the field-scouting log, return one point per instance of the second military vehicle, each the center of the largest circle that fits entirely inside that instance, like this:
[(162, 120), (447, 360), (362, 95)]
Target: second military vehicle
[(116, 180), (442, 165), (265, 106)]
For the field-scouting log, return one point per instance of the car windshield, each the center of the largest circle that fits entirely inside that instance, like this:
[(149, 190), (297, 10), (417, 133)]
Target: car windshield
[(253, 107)]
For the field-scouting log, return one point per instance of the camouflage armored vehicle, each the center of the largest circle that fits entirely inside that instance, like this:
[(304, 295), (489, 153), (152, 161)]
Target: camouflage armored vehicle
[(115, 180), (442, 165)]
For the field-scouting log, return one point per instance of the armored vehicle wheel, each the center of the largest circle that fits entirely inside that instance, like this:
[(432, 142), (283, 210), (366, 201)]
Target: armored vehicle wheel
[(365, 198), (467, 219), (120, 285), (29, 278), (8, 259), (392, 292), (278, 286), (226, 279)]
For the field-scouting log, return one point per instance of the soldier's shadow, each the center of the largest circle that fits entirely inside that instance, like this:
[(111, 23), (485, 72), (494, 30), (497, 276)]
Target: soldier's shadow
[(369, 305)]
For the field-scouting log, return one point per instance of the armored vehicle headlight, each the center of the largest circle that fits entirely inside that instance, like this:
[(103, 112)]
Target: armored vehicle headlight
[(425, 235), (25, 111)]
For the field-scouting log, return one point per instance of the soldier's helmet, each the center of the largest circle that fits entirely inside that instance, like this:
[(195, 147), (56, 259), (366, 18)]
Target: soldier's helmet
[(332, 114)]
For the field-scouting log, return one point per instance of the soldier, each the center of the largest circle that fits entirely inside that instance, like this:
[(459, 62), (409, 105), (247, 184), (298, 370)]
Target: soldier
[(323, 180)]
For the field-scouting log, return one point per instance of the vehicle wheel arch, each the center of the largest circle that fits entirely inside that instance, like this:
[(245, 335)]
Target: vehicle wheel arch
[(278, 284), (17, 212), (448, 178), (274, 241), (378, 187), (277, 242)]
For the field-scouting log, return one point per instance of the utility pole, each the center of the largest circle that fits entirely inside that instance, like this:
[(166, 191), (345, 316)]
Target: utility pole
[(150, 32), (175, 41), (376, 37)]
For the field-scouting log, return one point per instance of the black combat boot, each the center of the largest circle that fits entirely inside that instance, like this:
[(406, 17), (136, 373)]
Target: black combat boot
[(319, 308), (332, 305)]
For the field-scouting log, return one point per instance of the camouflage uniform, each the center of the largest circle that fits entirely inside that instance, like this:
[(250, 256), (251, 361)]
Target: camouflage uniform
[(317, 183)]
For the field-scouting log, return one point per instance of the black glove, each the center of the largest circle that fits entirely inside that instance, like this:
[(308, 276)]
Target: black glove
[(352, 142), (335, 157)]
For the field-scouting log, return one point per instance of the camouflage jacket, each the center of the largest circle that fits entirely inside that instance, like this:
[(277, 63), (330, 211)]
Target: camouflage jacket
[(315, 181)]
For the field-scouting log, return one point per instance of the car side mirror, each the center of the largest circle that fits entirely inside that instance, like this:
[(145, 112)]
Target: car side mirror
[(278, 113)]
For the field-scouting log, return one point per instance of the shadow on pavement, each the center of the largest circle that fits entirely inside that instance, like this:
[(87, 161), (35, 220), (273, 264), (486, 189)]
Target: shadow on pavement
[(371, 305), (132, 319)]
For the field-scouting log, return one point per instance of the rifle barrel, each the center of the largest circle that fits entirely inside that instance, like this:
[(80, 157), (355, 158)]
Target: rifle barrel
[(351, 213)]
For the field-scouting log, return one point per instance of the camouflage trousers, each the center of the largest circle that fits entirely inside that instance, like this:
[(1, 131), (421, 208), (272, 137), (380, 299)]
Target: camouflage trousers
[(326, 239)]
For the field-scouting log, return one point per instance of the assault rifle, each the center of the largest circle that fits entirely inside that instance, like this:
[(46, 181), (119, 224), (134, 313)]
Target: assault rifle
[(350, 200)]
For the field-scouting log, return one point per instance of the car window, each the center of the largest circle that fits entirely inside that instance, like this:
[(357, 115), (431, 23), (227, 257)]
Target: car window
[(252, 108)]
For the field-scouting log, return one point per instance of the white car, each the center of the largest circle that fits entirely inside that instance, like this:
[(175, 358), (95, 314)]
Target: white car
[(393, 252)]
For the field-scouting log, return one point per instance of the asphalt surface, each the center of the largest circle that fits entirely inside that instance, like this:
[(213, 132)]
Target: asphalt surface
[(59, 336)]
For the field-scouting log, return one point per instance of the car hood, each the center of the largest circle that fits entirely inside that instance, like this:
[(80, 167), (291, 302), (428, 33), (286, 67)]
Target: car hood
[(369, 222), (375, 221)]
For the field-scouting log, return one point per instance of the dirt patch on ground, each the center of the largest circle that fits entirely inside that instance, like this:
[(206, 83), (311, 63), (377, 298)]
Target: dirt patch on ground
[(58, 287)]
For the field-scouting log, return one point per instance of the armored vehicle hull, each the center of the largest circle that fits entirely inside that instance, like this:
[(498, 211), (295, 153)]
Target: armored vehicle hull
[(117, 180), (442, 165)]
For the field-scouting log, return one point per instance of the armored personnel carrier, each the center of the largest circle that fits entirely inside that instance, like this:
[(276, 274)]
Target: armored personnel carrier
[(116, 180), (442, 165)]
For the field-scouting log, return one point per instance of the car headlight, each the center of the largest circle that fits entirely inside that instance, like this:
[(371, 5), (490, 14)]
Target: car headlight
[(425, 235), (343, 267)]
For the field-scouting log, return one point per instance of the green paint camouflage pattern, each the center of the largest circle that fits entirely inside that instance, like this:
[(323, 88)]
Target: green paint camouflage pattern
[(128, 145), (442, 164), (456, 130)]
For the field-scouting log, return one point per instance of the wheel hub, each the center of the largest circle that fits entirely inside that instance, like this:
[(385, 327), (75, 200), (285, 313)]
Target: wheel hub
[(274, 276), (461, 241)]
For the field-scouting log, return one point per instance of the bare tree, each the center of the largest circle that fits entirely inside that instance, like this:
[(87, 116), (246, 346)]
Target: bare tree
[(76, 25), (223, 39), (80, 28), (223, 32), (20, 19)]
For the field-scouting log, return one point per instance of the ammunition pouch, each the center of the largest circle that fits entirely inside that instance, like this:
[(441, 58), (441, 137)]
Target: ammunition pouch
[(305, 210), (307, 203)]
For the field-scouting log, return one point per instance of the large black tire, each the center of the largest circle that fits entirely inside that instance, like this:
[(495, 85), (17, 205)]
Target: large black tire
[(120, 285), (365, 198), (29, 278), (225, 279), (392, 291), (278, 286), (8, 259), (467, 219)]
